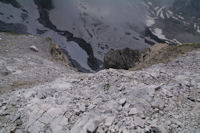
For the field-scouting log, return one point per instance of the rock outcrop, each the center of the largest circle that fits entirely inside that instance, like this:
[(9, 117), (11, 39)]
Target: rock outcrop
[(163, 53), (121, 59), (137, 60), (160, 99)]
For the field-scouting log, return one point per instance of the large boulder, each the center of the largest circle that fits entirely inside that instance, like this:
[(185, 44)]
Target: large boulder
[(121, 59)]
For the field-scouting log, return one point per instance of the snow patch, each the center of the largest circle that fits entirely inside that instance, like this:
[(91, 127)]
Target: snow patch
[(179, 16), (170, 12), (195, 25), (159, 11), (167, 14), (162, 15), (158, 32), (198, 29), (150, 21), (175, 18)]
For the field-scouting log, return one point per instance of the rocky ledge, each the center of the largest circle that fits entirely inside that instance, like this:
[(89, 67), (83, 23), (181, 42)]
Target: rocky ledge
[(137, 59), (160, 99)]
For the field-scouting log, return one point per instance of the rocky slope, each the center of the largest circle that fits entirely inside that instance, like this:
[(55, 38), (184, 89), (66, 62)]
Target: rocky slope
[(27, 60), (160, 99), (92, 28), (162, 53)]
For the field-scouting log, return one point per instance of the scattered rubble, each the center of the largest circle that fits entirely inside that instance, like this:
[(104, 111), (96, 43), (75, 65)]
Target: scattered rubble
[(160, 99), (71, 105)]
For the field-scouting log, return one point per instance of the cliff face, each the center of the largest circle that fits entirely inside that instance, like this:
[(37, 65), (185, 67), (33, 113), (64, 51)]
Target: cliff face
[(121, 59), (162, 98)]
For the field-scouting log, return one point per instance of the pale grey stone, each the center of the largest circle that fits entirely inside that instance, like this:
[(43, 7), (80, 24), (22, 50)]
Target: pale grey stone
[(88, 123), (34, 48), (125, 131), (109, 120), (122, 101), (82, 108), (133, 111), (139, 122), (18, 131)]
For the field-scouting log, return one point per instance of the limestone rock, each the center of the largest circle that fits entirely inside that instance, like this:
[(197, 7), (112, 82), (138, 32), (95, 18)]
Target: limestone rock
[(109, 120), (82, 108), (122, 101), (34, 48), (133, 111), (88, 123), (125, 131), (73, 102)]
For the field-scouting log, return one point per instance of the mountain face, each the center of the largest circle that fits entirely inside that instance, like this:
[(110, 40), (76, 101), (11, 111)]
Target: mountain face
[(86, 30), (40, 93)]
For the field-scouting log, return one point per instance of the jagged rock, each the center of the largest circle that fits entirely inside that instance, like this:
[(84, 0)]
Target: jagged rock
[(121, 59), (88, 123), (125, 131), (109, 120), (133, 111), (158, 103), (82, 108), (139, 122)]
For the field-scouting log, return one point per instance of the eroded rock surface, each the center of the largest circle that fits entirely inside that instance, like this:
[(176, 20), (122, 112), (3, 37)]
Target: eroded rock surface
[(163, 98), (121, 59)]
